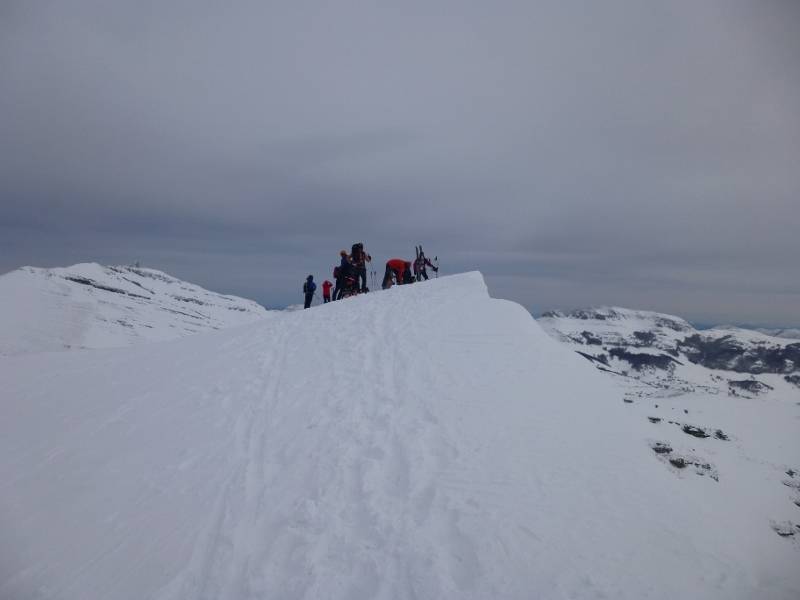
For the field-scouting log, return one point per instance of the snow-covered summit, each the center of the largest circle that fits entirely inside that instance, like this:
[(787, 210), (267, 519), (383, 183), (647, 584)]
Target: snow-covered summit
[(761, 333), (425, 441), (92, 306), (791, 333), (622, 317), (616, 326)]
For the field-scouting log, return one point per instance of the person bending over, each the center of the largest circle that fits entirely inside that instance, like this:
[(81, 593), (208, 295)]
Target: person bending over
[(398, 269)]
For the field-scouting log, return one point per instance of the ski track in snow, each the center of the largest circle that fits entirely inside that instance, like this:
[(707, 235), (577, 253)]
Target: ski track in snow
[(372, 472), (424, 442)]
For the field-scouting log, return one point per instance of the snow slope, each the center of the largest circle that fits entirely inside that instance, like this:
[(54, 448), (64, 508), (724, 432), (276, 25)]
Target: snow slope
[(92, 306), (421, 442), (726, 401)]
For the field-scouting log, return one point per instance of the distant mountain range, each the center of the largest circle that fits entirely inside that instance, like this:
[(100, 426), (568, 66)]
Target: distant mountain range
[(789, 333), (667, 351)]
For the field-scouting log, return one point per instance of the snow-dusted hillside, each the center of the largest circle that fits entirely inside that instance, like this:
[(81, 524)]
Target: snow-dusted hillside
[(92, 306), (789, 334), (667, 352), (721, 403), (421, 442)]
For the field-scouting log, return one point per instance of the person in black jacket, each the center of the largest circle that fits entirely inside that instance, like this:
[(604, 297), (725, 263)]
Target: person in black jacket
[(340, 273), (309, 287)]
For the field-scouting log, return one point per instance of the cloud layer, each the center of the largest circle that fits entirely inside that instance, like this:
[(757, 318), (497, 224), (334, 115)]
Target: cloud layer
[(642, 154)]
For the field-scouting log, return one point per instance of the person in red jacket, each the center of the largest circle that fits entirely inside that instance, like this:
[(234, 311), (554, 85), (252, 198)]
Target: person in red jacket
[(326, 291), (400, 269)]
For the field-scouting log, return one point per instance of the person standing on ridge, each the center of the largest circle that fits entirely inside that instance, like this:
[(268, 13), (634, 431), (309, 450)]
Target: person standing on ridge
[(420, 267), (420, 264), (340, 273), (360, 258), (326, 291), (309, 287)]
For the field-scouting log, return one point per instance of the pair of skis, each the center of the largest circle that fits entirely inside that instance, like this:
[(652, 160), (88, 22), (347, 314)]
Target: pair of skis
[(420, 261)]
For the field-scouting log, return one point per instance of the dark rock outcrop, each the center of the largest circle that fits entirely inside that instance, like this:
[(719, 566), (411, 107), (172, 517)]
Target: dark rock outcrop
[(640, 360), (644, 338), (751, 386), (695, 431), (728, 353), (99, 286), (591, 339)]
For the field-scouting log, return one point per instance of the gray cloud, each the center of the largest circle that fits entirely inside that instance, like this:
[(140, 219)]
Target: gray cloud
[(642, 154)]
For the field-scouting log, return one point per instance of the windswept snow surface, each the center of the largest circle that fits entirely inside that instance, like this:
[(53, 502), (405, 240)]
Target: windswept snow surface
[(421, 442), (92, 306)]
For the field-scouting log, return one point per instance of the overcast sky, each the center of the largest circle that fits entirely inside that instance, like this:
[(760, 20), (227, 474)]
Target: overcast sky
[(638, 153)]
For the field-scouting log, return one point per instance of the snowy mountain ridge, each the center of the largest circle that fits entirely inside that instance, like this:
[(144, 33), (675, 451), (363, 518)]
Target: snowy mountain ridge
[(92, 306), (791, 333), (622, 315), (425, 441)]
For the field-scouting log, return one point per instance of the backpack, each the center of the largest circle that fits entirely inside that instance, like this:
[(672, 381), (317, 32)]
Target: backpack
[(309, 287), (357, 252), (336, 272)]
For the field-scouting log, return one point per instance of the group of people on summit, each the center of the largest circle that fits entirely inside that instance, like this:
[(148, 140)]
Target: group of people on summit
[(351, 274)]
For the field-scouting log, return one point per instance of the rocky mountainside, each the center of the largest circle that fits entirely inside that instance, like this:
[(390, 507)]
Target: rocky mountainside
[(666, 350), (722, 404), (93, 306)]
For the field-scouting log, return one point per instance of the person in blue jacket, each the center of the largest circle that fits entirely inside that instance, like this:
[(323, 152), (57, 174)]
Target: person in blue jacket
[(309, 287)]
